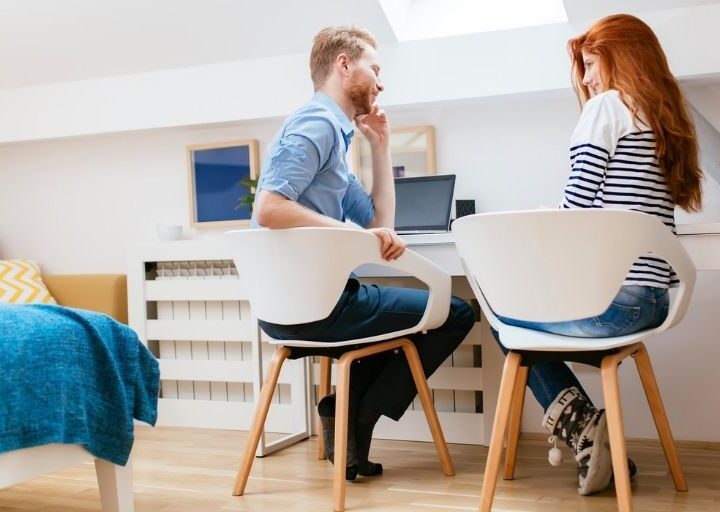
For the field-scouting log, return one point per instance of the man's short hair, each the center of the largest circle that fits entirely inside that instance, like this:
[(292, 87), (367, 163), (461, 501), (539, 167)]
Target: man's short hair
[(331, 42)]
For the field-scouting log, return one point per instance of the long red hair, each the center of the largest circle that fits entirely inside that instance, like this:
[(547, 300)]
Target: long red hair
[(633, 63)]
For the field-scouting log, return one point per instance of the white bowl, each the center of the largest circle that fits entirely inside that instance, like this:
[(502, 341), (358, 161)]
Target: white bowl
[(168, 232)]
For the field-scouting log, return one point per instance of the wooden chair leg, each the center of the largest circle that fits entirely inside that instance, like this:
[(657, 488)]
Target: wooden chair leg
[(261, 411), (430, 413), (611, 392), (342, 399), (323, 391), (516, 410), (492, 466), (652, 392)]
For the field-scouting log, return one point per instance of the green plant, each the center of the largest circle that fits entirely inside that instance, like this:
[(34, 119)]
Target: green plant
[(249, 198)]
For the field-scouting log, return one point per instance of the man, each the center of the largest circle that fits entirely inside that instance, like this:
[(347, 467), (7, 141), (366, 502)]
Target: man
[(305, 182)]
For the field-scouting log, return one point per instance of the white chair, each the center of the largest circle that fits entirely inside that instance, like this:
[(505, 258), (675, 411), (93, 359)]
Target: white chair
[(558, 265), (294, 276), (115, 482)]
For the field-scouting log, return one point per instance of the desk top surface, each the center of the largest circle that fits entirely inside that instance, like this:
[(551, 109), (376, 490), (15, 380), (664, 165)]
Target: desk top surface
[(709, 228), (712, 228), (216, 247), (429, 239)]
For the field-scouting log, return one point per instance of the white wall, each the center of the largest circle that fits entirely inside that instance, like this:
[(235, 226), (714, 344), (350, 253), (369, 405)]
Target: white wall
[(508, 153), (110, 190), (76, 204)]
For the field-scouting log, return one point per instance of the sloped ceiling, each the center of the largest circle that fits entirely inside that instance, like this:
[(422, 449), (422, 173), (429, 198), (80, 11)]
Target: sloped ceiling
[(49, 41), (594, 9)]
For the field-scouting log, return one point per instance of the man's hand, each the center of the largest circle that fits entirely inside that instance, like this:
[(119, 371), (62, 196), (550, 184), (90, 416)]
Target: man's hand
[(375, 127), (392, 246)]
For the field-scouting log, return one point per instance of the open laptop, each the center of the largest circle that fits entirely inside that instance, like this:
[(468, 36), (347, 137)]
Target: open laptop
[(422, 204)]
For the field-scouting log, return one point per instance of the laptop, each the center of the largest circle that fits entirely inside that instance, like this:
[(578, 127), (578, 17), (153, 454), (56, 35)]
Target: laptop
[(423, 204)]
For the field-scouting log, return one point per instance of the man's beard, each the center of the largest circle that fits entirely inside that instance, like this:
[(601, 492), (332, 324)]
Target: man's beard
[(360, 95)]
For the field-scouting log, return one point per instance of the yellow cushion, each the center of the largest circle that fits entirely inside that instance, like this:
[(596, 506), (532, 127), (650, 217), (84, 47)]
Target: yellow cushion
[(21, 283)]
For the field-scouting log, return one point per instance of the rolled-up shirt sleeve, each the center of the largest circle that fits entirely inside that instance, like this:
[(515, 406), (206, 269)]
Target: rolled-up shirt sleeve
[(298, 156), (357, 204)]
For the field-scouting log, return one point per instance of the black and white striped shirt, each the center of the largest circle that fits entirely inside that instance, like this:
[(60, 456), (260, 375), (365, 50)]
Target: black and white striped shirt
[(613, 165)]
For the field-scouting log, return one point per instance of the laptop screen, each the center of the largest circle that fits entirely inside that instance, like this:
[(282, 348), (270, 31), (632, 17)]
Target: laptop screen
[(423, 203)]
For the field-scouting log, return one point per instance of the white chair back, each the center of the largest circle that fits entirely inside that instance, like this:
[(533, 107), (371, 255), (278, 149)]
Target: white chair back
[(294, 276), (559, 265)]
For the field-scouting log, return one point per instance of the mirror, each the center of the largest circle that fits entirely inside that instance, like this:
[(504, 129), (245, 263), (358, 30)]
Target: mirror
[(412, 151)]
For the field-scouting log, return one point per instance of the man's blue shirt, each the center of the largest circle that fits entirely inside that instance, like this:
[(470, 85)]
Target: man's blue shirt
[(306, 163)]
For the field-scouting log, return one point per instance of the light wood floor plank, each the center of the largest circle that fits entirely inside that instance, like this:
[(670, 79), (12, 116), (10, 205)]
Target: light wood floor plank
[(192, 470)]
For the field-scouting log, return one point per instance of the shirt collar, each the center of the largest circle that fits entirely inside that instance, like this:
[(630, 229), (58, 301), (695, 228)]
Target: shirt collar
[(346, 126)]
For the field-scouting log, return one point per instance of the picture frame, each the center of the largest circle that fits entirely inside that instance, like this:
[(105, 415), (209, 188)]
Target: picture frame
[(412, 150), (215, 182)]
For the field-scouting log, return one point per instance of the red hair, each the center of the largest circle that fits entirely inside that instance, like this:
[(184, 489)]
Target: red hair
[(633, 63)]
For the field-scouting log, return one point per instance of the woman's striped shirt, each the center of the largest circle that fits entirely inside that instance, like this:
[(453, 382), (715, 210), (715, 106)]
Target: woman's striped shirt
[(613, 165)]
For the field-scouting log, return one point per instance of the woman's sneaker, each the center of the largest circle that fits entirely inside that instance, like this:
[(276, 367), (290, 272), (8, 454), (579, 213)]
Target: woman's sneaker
[(573, 419)]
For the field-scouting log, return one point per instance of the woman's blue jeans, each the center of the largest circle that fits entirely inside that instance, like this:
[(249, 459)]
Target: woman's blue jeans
[(634, 308)]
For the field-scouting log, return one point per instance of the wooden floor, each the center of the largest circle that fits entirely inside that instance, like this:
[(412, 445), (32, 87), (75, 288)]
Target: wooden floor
[(184, 470)]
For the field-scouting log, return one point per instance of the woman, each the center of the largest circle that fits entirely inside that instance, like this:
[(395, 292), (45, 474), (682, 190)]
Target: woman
[(633, 148)]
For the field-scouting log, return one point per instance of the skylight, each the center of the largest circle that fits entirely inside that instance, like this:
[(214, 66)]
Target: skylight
[(426, 19)]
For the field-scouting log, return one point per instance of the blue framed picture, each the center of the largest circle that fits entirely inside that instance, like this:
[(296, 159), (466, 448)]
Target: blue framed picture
[(221, 178)]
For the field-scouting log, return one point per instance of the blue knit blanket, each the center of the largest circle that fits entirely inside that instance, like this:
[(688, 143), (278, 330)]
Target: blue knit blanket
[(73, 376)]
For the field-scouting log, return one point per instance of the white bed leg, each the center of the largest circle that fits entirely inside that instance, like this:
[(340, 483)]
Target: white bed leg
[(116, 486)]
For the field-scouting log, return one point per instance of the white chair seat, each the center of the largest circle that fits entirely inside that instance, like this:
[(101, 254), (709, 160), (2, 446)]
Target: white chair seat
[(519, 338), (346, 343)]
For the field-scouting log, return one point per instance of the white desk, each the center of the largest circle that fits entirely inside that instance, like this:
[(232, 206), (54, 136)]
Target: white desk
[(702, 241), (204, 330), (199, 322)]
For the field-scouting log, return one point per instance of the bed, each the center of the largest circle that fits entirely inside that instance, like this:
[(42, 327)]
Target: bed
[(72, 382)]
